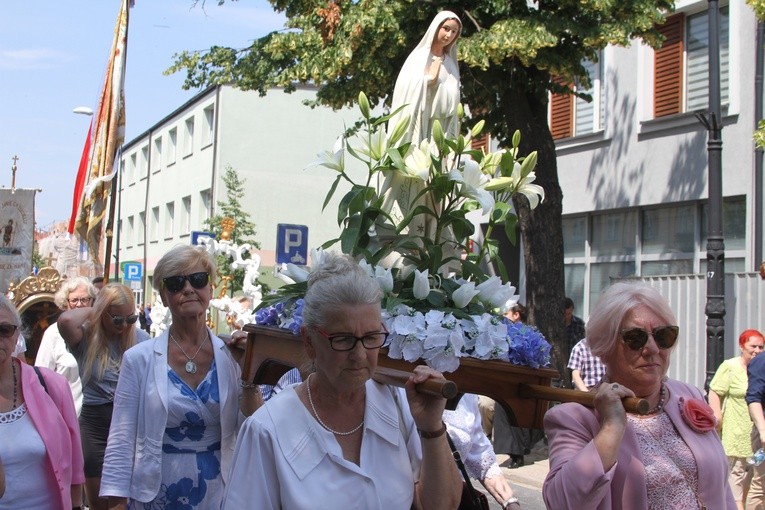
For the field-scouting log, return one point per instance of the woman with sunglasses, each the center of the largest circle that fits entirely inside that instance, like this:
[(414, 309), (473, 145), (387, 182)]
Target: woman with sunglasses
[(607, 458), (179, 401), (39, 437), (97, 338), (339, 439)]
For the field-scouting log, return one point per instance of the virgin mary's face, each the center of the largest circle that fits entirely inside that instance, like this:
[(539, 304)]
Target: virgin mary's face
[(447, 34)]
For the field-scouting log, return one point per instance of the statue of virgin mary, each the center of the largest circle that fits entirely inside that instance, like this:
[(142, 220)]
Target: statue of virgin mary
[(428, 89)]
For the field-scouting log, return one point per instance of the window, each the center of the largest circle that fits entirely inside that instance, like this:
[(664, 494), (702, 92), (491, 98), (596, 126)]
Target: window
[(645, 241), (681, 65), (573, 116), (156, 159), (154, 225), (144, 169), (132, 169), (172, 136), (141, 228), (129, 233), (188, 137), (208, 132), (186, 215), (168, 227), (205, 205)]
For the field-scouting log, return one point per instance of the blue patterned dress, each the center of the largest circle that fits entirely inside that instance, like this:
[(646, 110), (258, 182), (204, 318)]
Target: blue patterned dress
[(191, 477)]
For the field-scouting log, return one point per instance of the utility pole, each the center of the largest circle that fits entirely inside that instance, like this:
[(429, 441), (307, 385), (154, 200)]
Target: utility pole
[(712, 121)]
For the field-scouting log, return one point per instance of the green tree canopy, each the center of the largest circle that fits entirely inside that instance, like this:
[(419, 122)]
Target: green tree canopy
[(512, 54)]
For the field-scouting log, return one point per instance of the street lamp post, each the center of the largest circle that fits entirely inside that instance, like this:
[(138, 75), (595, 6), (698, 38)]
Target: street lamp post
[(712, 121)]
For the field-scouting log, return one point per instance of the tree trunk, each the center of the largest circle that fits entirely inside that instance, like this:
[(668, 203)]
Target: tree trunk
[(541, 229)]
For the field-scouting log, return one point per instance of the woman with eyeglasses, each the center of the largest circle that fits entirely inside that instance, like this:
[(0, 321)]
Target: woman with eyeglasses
[(39, 438), (607, 458), (73, 293), (339, 439), (179, 401), (98, 337)]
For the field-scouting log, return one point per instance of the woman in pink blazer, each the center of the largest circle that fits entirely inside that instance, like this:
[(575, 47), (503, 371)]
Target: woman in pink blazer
[(40, 446), (606, 458)]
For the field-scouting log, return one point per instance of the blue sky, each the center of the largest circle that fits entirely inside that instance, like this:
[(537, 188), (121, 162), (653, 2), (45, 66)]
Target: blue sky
[(53, 57)]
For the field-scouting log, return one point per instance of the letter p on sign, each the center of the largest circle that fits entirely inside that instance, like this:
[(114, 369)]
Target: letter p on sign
[(291, 244)]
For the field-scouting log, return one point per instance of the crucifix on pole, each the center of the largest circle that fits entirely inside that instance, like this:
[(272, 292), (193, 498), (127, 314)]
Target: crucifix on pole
[(13, 173)]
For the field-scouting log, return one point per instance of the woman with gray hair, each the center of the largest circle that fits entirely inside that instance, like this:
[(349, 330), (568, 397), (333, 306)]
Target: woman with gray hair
[(179, 402), (608, 458), (340, 439), (73, 293)]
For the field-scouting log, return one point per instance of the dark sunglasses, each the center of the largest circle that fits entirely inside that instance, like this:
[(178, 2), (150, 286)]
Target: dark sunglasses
[(7, 330), (664, 336), (176, 283), (119, 320)]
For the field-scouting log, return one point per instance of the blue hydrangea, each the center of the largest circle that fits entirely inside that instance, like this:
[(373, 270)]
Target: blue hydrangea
[(527, 346)]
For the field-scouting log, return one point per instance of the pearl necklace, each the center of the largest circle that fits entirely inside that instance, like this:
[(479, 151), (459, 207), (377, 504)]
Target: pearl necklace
[(316, 414), (191, 367), (660, 405)]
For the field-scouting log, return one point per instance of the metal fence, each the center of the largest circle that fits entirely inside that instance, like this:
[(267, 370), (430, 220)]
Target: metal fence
[(744, 309)]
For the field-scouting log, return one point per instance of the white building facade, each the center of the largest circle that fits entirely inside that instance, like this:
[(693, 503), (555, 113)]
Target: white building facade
[(171, 175), (633, 163)]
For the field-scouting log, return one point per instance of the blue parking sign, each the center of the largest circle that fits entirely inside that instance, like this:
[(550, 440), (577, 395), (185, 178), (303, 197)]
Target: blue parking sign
[(291, 244), (133, 271)]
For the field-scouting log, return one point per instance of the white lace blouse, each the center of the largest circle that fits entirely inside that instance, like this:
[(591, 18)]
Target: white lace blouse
[(464, 427)]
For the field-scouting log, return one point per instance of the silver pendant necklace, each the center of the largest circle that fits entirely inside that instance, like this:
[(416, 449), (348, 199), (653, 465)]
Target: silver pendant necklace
[(316, 414), (191, 367)]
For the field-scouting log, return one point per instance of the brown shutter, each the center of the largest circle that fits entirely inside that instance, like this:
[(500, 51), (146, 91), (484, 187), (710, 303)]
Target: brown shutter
[(668, 68), (482, 142), (561, 114)]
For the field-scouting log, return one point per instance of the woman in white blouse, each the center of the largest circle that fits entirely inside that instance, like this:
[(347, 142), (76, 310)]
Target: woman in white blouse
[(464, 427)]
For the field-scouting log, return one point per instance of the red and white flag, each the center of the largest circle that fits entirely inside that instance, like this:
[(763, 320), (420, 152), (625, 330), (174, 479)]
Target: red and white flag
[(106, 135)]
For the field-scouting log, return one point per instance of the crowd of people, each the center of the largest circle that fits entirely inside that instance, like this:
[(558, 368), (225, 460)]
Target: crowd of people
[(125, 421)]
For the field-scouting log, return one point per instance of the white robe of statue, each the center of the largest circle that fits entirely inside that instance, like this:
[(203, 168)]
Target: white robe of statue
[(425, 100)]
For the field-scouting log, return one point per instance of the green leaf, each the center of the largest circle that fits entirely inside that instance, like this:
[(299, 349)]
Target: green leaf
[(350, 234), (511, 221), (331, 192)]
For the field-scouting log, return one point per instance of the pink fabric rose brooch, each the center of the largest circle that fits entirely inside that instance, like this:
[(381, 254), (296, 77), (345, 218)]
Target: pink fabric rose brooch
[(697, 414)]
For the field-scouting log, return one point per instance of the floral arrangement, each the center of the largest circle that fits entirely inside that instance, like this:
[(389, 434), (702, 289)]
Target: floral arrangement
[(697, 414), (439, 304)]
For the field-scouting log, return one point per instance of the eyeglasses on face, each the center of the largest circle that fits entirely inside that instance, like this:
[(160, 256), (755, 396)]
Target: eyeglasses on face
[(176, 283), (664, 336), (80, 300), (347, 342), (119, 320), (7, 330)]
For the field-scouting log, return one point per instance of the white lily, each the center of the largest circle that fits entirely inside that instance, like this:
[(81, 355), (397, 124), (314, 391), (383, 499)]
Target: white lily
[(417, 162), (292, 272), (334, 159), (493, 293), (464, 295), (473, 183), (421, 287), (378, 143), (384, 279)]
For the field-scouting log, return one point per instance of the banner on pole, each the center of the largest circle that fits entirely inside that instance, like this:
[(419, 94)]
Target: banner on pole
[(17, 220)]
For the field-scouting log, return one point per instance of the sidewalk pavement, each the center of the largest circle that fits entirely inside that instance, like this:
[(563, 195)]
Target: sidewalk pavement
[(533, 473)]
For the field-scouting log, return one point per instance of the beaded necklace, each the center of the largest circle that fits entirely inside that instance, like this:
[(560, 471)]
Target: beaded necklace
[(316, 414)]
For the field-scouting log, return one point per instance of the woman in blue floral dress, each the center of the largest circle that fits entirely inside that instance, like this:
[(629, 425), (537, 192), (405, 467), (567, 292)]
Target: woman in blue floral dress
[(177, 407)]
